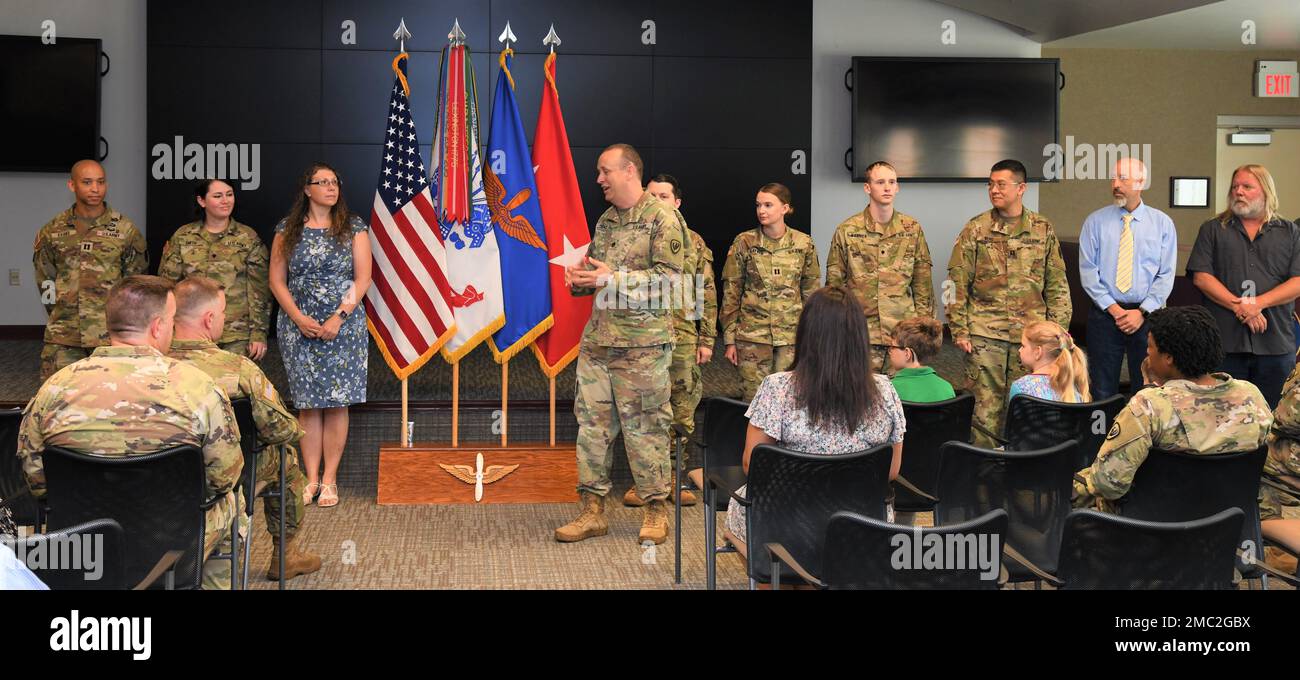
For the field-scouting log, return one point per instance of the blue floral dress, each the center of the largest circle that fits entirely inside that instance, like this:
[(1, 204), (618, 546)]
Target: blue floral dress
[(323, 373)]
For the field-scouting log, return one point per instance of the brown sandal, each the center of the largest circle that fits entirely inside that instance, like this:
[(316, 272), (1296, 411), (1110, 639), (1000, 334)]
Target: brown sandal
[(329, 496), (310, 492)]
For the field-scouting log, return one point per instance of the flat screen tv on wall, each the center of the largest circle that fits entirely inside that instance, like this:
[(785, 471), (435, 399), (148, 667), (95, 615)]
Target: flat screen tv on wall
[(49, 102), (950, 120)]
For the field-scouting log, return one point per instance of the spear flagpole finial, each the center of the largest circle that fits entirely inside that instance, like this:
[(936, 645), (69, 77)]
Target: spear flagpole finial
[(456, 36), (402, 35), (507, 36), (551, 39)]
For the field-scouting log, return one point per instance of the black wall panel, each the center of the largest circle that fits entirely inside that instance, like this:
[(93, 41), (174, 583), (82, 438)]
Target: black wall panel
[(236, 23), (721, 97)]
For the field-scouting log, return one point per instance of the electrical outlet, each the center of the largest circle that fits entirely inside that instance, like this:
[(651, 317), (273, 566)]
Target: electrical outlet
[(14, 278)]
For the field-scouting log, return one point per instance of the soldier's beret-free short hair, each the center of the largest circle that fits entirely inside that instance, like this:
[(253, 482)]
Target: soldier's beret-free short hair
[(1016, 167), (134, 302), (1190, 336), (194, 294)]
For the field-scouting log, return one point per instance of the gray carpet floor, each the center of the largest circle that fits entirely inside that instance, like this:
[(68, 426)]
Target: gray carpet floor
[(368, 546)]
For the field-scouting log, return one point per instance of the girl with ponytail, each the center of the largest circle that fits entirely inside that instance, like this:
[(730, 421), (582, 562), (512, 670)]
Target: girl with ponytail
[(1057, 368)]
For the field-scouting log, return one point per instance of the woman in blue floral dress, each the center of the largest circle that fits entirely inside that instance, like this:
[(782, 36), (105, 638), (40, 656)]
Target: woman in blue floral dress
[(320, 270)]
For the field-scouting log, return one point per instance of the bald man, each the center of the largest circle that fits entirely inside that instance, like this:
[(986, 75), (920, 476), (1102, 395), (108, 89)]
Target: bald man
[(1127, 254), (78, 256)]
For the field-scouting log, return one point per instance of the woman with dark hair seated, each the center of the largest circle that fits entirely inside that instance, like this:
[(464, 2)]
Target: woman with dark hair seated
[(829, 402), (1185, 407)]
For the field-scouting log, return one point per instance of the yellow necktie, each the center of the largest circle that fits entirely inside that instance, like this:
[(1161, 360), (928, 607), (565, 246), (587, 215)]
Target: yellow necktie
[(1124, 267)]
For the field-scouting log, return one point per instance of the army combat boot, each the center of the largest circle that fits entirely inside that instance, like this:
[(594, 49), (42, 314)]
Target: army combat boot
[(588, 524), (296, 562), (654, 522)]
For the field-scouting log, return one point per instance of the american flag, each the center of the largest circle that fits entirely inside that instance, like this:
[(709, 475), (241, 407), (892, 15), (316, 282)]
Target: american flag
[(408, 304)]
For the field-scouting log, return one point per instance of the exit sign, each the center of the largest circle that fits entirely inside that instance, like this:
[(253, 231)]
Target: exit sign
[(1276, 79)]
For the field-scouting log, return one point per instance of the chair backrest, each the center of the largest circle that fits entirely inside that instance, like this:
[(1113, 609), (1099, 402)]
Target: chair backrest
[(1033, 487), (792, 496), (247, 443), (1101, 550), (87, 556), (929, 427), (13, 483), (1173, 486), (725, 424), (157, 498), (865, 553), (1034, 423), (725, 427)]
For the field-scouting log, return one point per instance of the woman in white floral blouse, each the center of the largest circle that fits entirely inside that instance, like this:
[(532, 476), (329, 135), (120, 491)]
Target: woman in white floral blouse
[(829, 402)]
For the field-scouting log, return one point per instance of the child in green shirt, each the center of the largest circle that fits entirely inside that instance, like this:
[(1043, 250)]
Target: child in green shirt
[(916, 341)]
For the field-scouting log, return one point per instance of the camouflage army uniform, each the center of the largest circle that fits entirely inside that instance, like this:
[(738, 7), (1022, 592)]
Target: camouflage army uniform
[(83, 263), (1180, 415), (277, 430), (133, 400), (237, 259), (626, 349), (1283, 446), (695, 325), (1003, 276), (764, 284), (888, 269)]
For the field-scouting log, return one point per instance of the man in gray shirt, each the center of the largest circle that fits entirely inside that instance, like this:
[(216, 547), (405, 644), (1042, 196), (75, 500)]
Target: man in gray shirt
[(1246, 261)]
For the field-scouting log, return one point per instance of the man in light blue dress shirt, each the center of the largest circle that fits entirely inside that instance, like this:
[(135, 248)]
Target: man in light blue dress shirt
[(1124, 289)]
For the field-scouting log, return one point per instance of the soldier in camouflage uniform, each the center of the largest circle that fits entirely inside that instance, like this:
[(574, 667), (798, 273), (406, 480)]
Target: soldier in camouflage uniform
[(222, 249), (626, 351), (881, 255), (1283, 461), (695, 323), (1005, 271), (770, 271), (156, 402), (1190, 410), (78, 256), (200, 313), (1283, 445)]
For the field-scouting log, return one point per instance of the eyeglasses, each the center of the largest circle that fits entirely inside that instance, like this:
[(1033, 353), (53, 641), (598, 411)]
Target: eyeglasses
[(327, 183), (1003, 186)]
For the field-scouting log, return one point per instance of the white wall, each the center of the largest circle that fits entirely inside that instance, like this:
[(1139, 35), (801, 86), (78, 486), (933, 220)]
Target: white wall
[(1281, 157), (843, 29), (31, 199)]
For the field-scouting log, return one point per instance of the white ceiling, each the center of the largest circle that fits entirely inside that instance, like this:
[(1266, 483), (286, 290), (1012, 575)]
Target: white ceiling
[(1044, 20), (1216, 26)]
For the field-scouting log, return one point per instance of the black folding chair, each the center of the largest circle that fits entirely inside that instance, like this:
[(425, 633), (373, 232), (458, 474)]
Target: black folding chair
[(1034, 424), (14, 492), (1034, 489), (860, 554), (159, 499), (88, 556), (1104, 551), (790, 497), (725, 427), (929, 427), (1173, 486), (243, 408)]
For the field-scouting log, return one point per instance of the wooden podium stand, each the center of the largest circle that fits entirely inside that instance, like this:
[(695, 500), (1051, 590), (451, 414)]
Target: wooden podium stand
[(417, 476)]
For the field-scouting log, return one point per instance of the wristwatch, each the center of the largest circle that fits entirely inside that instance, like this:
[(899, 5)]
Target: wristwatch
[(343, 313)]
